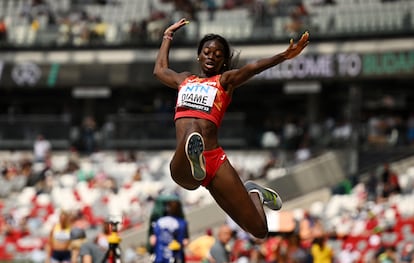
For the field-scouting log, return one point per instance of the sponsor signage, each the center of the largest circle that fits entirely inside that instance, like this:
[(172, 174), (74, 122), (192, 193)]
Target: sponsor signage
[(346, 66), (26, 74)]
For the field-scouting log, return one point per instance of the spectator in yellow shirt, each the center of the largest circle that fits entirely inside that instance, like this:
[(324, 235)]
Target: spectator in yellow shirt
[(321, 251)]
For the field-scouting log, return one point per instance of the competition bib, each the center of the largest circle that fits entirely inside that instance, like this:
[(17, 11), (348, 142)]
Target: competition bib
[(197, 96)]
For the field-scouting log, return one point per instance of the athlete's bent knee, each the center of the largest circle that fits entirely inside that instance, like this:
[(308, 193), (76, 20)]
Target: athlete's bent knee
[(261, 234), (259, 231), (179, 178)]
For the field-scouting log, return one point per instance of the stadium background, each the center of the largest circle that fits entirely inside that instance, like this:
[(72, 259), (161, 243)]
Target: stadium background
[(350, 92)]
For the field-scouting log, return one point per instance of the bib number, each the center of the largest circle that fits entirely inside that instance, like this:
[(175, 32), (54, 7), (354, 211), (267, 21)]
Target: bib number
[(197, 96)]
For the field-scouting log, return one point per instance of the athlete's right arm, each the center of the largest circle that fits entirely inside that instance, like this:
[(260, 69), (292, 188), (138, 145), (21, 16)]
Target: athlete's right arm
[(162, 70)]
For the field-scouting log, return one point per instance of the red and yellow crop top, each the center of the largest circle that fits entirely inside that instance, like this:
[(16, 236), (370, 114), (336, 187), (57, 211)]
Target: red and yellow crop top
[(202, 98)]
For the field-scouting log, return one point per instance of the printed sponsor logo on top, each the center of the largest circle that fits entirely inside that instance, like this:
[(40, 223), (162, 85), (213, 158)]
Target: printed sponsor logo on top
[(197, 96)]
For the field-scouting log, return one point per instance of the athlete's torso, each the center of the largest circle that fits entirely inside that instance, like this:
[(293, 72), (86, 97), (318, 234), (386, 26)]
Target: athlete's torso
[(60, 237), (202, 98)]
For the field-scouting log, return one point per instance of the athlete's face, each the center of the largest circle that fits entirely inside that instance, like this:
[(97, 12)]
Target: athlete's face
[(211, 58)]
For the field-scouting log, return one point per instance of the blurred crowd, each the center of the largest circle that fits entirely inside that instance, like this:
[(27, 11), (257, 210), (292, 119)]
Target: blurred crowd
[(76, 26), (372, 219), (39, 185)]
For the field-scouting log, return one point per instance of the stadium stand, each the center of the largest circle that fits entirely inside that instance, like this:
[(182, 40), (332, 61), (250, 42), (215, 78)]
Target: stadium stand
[(42, 22)]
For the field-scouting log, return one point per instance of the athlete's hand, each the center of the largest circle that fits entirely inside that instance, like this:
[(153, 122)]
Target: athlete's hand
[(294, 49), (177, 25)]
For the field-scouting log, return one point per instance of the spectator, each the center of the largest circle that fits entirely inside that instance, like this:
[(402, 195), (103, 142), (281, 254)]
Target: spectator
[(200, 246), (295, 251), (88, 133), (341, 133), (84, 251), (59, 240), (371, 186), (303, 153), (297, 20), (270, 140), (211, 7), (407, 253), (99, 28), (41, 180), (390, 183), (170, 235), (321, 251), (220, 251), (138, 31), (41, 148), (3, 31), (310, 227)]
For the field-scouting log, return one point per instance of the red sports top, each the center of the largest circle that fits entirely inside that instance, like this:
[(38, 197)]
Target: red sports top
[(202, 98)]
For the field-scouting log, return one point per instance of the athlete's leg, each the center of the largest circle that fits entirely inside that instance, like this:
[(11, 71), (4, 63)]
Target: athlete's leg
[(181, 170), (246, 209)]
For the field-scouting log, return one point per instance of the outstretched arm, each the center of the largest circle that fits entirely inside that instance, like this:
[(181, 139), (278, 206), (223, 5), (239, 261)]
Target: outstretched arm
[(234, 78), (161, 69)]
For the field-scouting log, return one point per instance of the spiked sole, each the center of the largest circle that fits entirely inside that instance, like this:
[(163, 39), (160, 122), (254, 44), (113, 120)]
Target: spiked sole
[(194, 148)]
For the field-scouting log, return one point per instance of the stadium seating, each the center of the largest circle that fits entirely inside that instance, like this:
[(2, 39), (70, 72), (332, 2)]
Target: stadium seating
[(344, 18)]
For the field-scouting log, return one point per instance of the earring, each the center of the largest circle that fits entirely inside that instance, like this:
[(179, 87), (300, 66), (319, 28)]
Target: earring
[(198, 59), (224, 64)]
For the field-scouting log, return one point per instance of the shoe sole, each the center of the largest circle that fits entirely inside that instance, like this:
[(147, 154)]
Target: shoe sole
[(249, 185), (194, 148)]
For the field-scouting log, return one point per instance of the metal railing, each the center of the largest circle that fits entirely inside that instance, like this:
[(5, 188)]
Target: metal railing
[(139, 131), (20, 131)]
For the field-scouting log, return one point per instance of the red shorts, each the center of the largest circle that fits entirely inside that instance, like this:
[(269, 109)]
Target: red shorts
[(214, 159)]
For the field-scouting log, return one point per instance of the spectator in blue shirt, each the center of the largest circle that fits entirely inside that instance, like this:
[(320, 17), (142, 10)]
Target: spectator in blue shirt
[(170, 235)]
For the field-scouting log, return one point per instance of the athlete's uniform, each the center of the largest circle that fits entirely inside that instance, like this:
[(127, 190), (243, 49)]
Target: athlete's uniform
[(60, 234), (204, 98)]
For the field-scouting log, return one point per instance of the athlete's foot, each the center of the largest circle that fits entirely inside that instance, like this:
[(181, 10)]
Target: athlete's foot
[(269, 197), (194, 148)]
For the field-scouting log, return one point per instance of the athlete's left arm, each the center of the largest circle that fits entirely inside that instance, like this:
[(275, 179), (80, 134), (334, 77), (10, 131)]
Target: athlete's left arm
[(234, 78)]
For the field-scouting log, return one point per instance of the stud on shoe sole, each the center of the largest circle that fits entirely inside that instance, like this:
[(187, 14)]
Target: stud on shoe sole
[(194, 148)]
